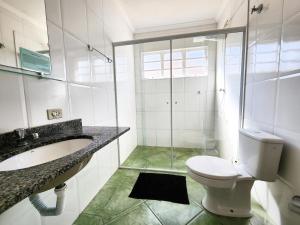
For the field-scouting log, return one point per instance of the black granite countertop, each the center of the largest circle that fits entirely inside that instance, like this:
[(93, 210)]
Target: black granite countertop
[(16, 185)]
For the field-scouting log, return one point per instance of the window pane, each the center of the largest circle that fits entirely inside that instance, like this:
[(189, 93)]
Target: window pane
[(196, 62), (152, 66), (199, 53), (196, 71), (175, 55), (177, 64), (151, 57), (167, 64)]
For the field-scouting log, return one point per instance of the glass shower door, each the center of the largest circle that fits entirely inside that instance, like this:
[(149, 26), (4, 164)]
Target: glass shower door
[(153, 106), (193, 98)]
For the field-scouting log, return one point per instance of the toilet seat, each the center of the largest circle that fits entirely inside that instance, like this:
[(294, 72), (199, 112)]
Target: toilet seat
[(214, 168), (216, 172)]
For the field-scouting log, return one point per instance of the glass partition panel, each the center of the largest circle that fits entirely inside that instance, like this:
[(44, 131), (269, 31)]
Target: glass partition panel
[(193, 93), (153, 106)]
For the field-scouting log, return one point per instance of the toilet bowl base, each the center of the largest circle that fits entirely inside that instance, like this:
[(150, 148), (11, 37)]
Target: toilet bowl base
[(226, 211), (234, 202)]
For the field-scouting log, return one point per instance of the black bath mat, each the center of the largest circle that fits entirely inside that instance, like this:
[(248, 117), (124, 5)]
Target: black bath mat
[(163, 187)]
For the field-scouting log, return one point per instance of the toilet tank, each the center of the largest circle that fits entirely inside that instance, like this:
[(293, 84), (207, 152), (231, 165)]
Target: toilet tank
[(260, 153)]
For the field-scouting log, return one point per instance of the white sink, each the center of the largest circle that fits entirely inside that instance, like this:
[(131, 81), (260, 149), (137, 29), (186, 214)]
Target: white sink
[(43, 154)]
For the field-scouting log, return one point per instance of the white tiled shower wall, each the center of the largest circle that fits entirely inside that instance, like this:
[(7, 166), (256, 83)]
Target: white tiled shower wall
[(272, 94), (86, 91)]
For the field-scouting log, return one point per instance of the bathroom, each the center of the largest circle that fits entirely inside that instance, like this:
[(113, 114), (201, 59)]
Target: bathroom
[(97, 96)]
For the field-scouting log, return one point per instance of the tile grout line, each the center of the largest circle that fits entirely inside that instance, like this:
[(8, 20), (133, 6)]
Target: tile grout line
[(125, 212), (157, 217), (188, 222)]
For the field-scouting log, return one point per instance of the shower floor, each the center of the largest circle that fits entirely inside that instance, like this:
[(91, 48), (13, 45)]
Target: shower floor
[(149, 157)]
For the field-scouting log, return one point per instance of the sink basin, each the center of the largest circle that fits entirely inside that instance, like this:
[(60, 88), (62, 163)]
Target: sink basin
[(43, 154)]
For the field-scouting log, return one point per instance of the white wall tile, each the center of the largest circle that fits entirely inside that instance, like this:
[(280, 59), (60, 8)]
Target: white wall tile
[(42, 95), (163, 138), (100, 77), (104, 107), (95, 30), (96, 6), (289, 58), (71, 209), (264, 96), (81, 103), (75, 18), (21, 211), (88, 182), (107, 159), (77, 60), (12, 102), (9, 23), (163, 102), (193, 120), (162, 120), (56, 43), (288, 108), (149, 137), (178, 120)]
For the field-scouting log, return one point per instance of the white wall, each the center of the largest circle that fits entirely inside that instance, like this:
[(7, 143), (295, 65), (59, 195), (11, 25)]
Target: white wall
[(87, 93), (272, 95)]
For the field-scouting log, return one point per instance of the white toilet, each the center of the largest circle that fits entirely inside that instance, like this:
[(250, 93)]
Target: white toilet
[(228, 185)]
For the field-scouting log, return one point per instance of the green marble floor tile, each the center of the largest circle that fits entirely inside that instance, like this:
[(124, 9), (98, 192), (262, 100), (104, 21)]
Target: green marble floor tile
[(113, 199), (85, 219), (181, 155), (149, 157), (233, 221), (141, 215), (195, 190), (173, 214), (160, 157), (205, 218)]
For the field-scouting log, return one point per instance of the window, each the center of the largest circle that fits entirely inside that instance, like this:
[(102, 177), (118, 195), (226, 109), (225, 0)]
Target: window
[(187, 62)]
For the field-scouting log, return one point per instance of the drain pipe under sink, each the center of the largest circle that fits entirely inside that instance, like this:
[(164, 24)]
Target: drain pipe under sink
[(43, 209)]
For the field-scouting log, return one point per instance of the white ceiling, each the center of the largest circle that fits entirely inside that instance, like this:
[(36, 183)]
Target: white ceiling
[(149, 14)]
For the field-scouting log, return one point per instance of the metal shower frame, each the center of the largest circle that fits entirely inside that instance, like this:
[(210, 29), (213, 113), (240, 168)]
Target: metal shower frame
[(170, 38)]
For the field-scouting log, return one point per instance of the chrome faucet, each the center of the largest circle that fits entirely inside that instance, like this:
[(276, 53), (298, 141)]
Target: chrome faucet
[(20, 132)]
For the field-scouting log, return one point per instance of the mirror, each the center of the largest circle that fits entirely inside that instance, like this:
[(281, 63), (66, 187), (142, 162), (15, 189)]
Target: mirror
[(23, 36)]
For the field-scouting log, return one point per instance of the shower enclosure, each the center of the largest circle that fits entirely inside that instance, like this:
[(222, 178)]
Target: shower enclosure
[(176, 95)]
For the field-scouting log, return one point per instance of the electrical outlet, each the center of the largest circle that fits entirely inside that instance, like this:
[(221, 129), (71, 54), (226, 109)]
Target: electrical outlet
[(53, 114)]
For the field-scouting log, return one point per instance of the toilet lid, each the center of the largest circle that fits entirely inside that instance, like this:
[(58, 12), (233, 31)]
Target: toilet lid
[(212, 167)]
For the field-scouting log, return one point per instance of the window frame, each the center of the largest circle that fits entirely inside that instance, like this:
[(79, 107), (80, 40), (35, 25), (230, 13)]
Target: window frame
[(184, 60)]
